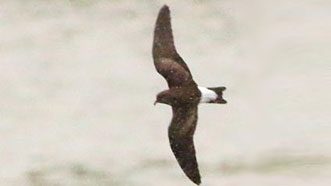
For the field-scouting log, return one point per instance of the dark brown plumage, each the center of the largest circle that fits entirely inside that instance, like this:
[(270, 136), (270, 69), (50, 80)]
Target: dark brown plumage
[(183, 95), (166, 59)]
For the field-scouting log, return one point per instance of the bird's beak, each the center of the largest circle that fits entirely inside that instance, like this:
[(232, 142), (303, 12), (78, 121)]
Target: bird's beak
[(155, 102)]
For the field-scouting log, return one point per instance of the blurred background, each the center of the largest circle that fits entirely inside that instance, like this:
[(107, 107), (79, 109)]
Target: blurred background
[(77, 86)]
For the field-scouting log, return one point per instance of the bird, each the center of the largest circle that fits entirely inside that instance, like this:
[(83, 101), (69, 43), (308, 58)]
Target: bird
[(183, 95)]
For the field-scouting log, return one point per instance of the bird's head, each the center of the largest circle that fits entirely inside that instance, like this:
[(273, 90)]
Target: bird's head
[(164, 97)]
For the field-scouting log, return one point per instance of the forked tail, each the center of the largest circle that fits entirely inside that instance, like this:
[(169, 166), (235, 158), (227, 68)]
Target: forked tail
[(219, 92)]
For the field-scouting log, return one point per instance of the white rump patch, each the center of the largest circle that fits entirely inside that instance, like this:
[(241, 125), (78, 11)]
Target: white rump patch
[(207, 95)]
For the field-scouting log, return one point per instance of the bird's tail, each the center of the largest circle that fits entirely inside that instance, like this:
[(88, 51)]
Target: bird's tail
[(219, 92)]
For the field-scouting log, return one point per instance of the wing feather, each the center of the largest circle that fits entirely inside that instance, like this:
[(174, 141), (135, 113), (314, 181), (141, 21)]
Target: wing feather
[(180, 132), (166, 59)]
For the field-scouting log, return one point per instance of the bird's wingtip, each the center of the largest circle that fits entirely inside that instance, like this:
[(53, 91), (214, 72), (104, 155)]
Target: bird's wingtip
[(165, 7)]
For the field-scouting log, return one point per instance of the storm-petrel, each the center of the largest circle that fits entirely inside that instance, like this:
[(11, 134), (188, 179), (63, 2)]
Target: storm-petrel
[(183, 95)]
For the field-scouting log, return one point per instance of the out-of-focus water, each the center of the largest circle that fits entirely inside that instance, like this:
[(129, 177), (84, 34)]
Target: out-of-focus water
[(77, 85)]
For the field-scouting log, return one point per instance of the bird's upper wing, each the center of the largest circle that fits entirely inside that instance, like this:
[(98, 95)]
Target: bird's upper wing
[(180, 132), (166, 59)]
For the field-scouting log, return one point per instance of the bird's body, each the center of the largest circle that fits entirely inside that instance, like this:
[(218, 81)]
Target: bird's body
[(183, 95)]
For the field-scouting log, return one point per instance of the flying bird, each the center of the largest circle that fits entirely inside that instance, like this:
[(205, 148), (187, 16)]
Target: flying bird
[(183, 95)]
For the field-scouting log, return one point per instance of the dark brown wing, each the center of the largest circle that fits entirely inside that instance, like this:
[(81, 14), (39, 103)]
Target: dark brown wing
[(166, 59), (181, 131)]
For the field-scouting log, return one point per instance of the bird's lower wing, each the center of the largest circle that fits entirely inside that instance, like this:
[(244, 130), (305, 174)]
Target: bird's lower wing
[(181, 131)]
